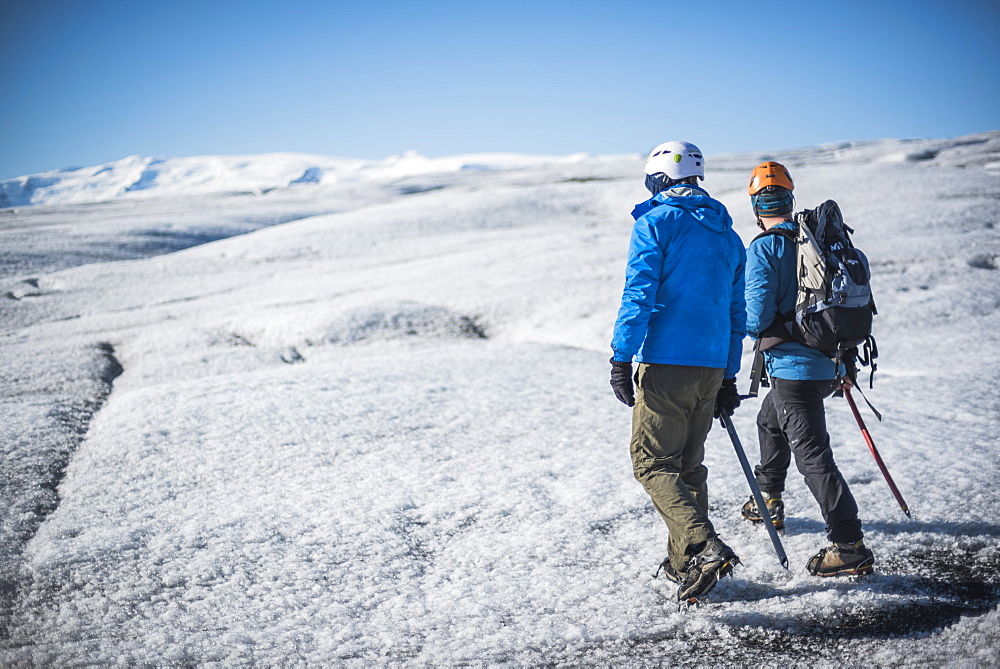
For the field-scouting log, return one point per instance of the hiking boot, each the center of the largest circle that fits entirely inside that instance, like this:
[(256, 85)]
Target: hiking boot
[(713, 561), (677, 576), (775, 507), (842, 560)]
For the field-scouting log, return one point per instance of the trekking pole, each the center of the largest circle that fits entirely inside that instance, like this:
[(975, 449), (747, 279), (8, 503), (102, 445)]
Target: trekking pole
[(878, 458), (755, 489)]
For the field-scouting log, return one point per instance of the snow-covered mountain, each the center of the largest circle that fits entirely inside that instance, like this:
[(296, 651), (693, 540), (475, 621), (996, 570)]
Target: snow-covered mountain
[(144, 177), (365, 419)]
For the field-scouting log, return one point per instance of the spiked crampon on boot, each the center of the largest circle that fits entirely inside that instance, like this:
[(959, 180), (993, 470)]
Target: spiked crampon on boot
[(842, 560), (775, 507), (677, 576), (713, 561)]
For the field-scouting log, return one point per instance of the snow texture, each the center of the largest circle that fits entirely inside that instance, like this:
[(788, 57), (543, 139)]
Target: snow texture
[(292, 409)]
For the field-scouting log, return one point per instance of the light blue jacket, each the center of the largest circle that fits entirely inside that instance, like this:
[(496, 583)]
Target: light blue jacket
[(770, 290), (683, 300)]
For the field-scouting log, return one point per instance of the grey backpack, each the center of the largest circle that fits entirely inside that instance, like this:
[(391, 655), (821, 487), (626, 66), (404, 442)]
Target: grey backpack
[(834, 306)]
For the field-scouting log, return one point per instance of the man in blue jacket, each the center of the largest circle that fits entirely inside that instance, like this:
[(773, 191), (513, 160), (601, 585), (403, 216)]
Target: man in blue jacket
[(792, 418), (683, 319)]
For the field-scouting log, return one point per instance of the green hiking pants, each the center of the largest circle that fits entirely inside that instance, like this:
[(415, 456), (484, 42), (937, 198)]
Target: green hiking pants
[(670, 422)]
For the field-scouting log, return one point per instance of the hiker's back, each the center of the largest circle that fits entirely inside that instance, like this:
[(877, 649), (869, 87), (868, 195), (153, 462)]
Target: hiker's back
[(771, 268)]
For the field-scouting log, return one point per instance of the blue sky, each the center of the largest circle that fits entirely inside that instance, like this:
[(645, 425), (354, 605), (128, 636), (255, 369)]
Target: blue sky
[(90, 81)]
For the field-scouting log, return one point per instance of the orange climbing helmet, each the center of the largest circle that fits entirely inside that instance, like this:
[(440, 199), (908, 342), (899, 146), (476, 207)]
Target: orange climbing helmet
[(767, 174)]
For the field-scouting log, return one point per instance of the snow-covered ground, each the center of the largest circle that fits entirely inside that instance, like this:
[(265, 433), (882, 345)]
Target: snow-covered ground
[(251, 415)]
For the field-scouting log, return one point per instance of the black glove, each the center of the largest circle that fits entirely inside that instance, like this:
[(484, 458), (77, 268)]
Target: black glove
[(621, 381), (727, 400)]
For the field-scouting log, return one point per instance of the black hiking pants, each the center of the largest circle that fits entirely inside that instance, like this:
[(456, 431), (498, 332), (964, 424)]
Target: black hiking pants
[(792, 421)]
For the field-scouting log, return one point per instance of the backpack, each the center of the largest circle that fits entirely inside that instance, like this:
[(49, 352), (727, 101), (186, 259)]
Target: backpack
[(834, 307)]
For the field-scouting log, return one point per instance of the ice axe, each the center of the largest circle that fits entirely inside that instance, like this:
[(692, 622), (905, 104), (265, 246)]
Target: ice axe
[(878, 458), (755, 489)]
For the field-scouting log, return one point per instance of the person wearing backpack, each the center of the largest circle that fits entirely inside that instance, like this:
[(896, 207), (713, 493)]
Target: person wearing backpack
[(682, 317), (792, 419)]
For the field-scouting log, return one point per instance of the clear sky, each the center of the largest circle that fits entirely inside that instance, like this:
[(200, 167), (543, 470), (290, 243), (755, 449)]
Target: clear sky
[(86, 82)]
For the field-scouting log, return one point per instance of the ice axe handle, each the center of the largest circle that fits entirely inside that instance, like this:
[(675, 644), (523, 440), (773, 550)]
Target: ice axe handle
[(875, 454), (755, 489)]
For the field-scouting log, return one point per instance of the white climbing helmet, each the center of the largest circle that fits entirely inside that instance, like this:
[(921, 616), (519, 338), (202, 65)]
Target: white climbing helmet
[(677, 160)]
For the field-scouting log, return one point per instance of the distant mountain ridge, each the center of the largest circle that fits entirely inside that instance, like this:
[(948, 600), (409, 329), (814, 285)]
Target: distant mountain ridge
[(138, 176)]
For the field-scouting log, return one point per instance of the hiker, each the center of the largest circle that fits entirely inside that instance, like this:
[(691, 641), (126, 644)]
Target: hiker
[(792, 420), (682, 318)]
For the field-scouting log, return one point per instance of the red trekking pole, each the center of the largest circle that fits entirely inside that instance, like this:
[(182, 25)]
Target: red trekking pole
[(878, 458)]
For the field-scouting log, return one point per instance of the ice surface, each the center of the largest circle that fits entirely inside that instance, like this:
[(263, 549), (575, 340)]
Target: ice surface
[(376, 427)]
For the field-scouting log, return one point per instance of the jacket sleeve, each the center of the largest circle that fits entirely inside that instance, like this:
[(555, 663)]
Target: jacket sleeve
[(642, 280), (762, 284), (737, 315)]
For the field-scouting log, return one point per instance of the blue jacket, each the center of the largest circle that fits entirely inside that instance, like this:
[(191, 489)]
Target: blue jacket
[(771, 287), (683, 299)]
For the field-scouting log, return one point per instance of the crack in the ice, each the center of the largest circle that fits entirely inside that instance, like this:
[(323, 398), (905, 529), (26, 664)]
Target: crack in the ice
[(75, 418)]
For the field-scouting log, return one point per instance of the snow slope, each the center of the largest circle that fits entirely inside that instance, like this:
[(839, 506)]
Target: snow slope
[(384, 434)]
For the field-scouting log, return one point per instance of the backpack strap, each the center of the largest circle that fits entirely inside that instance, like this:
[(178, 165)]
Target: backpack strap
[(870, 353), (790, 235), (778, 332), (758, 374)]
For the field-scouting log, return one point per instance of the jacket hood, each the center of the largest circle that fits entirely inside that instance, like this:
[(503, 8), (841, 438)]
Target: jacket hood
[(695, 201)]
